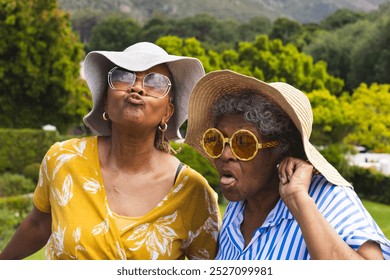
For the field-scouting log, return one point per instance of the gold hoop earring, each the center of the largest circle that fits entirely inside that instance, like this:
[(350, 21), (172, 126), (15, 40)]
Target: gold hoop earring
[(163, 129), (164, 144), (105, 116)]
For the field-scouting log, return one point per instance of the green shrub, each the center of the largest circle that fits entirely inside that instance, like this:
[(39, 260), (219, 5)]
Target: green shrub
[(9, 221), (12, 211), (31, 171), (15, 184), (370, 184), (21, 147)]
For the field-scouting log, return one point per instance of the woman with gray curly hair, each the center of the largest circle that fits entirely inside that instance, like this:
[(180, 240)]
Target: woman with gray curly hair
[(286, 201), (265, 116)]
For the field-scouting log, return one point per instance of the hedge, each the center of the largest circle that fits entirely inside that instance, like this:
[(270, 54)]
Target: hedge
[(21, 147), (12, 211), (15, 184), (370, 184)]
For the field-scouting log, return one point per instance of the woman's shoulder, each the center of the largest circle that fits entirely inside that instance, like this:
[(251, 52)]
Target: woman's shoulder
[(193, 183), (326, 194), (321, 186), (72, 145), (193, 176)]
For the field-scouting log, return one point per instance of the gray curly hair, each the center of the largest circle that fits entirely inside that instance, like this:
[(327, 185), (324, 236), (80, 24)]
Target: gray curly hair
[(268, 118)]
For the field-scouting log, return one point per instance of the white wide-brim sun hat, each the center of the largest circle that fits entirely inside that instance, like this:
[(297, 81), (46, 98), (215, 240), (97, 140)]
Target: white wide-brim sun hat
[(291, 100), (185, 72)]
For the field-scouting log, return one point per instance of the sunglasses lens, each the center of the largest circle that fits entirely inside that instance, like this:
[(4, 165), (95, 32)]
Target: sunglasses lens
[(213, 143), (244, 145), (121, 80), (156, 84)]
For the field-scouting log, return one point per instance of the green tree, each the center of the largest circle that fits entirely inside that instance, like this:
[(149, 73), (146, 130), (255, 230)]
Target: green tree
[(39, 66), (271, 61), (265, 59), (155, 28), (369, 108), (255, 26), (187, 47), (338, 47), (289, 31), (341, 18), (114, 33), (83, 21), (211, 32), (330, 125), (370, 62)]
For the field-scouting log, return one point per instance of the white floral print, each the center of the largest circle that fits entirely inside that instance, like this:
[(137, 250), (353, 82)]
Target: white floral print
[(157, 236)]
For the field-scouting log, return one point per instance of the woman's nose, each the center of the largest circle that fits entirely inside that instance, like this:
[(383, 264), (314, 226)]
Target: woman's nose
[(137, 86), (227, 153)]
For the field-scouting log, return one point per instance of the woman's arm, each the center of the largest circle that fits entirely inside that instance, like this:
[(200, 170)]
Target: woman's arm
[(31, 236), (321, 239)]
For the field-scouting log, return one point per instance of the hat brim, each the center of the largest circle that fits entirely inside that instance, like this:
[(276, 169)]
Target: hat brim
[(185, 71), (218, 83)]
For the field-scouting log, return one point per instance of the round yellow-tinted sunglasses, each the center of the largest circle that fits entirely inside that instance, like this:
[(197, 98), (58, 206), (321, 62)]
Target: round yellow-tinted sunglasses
[(243, 144)]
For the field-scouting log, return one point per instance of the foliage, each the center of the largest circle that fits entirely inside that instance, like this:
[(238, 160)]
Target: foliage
[(370, 184), (188, 47), (12, 211), (287, 30), (39, 66), (84, 20), (114, 33), (341, 18), (206, 29), (329, 47), (357, 52), (155, 28), (21, 147), (370, 62), (31, 171), (14, 184), (247, 31), (330, 125), (265, 59), (346, 40), (369, 109), (271, 61)]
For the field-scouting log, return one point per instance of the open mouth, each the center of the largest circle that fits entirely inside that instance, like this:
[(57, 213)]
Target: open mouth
[(227, 178)]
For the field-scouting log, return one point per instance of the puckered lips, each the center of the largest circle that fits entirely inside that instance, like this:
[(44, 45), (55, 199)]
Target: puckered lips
[(134, 99)]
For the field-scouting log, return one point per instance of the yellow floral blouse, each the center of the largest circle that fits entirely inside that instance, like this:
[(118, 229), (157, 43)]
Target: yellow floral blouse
[(184, 224)]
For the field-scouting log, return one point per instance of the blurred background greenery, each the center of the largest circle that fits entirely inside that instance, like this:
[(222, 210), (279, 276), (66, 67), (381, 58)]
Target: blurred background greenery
[(340, 59)]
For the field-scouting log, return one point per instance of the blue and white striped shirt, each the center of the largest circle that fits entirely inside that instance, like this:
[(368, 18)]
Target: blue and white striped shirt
[(280, 238)]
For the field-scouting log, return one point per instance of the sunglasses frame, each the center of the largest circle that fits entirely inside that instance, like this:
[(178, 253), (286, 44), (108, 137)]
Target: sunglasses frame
[(226, 140), (111, 85)]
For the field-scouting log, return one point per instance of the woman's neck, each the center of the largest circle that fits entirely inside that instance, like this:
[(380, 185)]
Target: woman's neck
[(129, 152), (265, 200)]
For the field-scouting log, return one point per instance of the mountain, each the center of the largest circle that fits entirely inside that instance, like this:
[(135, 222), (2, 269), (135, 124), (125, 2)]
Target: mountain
[(242, 10)]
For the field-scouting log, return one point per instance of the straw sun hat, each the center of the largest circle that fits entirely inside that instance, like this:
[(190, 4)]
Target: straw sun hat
[(185, 72), (291, 100)]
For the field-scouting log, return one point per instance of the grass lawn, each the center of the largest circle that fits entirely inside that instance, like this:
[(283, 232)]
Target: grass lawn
[(40, 255), (380, 213)]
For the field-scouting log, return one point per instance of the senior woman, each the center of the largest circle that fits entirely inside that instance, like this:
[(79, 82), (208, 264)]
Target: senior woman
[(257, 136), (121, 194)]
